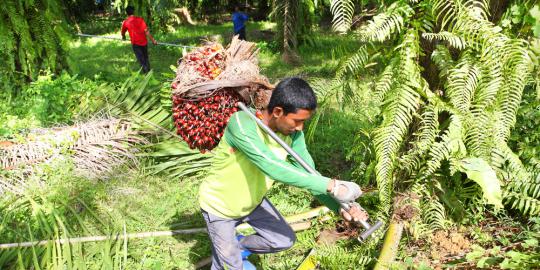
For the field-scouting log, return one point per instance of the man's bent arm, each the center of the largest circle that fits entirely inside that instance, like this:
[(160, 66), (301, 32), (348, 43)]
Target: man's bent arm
[(242, 135)]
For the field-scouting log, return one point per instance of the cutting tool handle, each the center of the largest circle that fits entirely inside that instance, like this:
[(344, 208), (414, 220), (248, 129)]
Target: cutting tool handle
[(368, 232)]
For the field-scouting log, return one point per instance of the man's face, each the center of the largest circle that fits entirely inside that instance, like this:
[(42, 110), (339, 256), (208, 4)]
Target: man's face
[(292, 122)]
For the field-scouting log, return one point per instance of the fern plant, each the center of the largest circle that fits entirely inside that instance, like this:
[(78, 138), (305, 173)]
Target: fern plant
[(449, 92)]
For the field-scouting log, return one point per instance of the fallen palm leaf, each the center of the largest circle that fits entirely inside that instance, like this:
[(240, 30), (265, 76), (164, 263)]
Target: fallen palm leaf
[(96, 148)]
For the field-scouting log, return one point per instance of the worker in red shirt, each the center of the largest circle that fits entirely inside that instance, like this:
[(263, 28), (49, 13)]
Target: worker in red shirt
[(137, 34)]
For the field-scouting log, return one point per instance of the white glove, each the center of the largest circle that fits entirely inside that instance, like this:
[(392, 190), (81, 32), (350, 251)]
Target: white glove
[(345, 192)]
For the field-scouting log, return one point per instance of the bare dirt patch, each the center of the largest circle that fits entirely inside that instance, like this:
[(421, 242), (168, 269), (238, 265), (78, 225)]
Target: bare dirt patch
[(449, 243)]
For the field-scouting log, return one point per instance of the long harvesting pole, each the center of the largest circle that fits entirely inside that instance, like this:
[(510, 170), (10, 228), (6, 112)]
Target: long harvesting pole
[(115, 38)]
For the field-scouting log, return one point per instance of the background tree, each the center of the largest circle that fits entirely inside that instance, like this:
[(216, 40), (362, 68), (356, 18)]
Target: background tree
[(32, 38), (295, 19)]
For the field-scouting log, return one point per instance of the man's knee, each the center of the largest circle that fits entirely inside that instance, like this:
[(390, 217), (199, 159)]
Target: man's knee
[(284, 241)]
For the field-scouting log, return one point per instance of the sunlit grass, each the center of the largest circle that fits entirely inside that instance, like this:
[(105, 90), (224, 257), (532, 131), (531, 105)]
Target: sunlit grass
[(113, 61)]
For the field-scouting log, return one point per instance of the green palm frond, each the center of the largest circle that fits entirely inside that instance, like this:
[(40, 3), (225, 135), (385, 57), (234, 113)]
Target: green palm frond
[(142, 104), (443, 60), (452, 39), (462, 83), (33, 39), (338, 89), (433, 214), (445, 12), (516, 73), (469, 110), (397, 116), (354, 64), (450, 145), (412, 160), (481, 7), (335, 257), (522, 191), (174, 158), (342, 11), (385, 24), (385, 81), (524, 203)]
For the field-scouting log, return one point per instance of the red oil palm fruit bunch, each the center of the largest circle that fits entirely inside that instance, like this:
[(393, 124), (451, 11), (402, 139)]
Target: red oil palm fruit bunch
[(201, 122)]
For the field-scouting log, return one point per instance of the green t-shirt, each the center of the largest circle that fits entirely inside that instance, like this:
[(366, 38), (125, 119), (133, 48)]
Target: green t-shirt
[(246, 163)]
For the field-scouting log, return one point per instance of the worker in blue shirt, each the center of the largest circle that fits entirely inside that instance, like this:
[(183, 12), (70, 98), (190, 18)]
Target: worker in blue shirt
[(239, 19)]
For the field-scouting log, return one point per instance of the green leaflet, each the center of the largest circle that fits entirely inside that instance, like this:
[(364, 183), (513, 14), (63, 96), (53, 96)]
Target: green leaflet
[(479, 171)]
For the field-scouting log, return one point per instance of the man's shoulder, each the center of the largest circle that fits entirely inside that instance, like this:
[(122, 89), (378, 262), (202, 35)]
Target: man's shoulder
[(239, 118), (133, 18)]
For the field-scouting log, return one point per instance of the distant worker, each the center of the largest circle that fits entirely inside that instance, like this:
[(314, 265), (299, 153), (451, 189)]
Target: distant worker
[(239, 19), (137, 34)]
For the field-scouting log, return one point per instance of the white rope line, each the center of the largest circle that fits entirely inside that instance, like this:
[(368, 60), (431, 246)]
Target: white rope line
[(115, 38)]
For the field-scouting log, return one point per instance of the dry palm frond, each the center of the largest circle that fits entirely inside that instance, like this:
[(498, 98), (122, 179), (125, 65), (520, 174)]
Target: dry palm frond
[(240, 50), (96, 147), (240, 64), (13, 183), (104, 144)]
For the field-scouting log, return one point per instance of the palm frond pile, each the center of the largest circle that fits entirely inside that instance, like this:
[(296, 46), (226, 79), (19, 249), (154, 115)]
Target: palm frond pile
[(96, 147)]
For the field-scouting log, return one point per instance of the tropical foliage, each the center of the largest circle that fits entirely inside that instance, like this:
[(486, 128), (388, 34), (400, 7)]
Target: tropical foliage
[(441, 94), (33, 38), (295, 19), (450, 90)]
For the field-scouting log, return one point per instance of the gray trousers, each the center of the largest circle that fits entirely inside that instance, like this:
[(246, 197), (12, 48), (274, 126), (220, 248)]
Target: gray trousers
[(273, 234)]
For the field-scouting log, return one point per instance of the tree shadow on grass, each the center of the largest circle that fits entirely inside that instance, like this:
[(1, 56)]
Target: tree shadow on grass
[(114, 61), (202, 247)]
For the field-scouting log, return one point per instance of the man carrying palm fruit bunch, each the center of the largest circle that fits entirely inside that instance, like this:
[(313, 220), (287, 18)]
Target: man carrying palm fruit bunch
[(245, 164)]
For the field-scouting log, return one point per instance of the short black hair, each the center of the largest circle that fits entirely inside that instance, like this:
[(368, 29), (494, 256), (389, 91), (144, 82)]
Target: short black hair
[(293, 94), (130, 10)]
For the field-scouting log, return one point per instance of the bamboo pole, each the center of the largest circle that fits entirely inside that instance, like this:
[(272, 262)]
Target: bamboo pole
[(103, 238), (390, 246), (291, 219)]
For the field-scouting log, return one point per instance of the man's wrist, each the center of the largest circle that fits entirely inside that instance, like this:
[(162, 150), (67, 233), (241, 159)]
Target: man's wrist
[(331, 185)]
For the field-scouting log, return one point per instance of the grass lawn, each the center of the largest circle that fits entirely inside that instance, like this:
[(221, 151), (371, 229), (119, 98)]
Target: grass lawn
[(113, 61), (152, 203)]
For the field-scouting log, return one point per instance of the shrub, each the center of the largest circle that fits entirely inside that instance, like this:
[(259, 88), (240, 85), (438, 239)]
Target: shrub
[(50, 100)]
